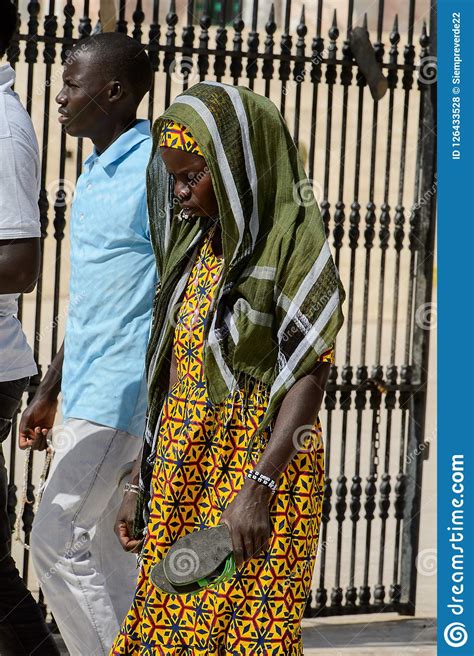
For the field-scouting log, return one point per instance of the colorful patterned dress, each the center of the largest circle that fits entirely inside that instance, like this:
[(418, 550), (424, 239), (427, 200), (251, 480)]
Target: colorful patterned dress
[(200, 467)]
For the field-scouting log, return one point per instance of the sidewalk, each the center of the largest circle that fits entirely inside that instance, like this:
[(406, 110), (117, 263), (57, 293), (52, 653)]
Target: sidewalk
[(370, 635)]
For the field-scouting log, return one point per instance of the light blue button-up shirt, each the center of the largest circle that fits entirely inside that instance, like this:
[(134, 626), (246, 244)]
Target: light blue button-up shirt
[(113, 277)]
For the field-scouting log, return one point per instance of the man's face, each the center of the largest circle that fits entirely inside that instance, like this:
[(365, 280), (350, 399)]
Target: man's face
[(192, 183), (83, 100)]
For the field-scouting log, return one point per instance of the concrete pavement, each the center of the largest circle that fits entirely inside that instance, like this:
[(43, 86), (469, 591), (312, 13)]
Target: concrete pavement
[(370, 635)]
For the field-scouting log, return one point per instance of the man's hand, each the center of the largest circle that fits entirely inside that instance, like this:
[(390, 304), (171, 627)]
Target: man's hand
[(248, 519), (38, 418), (124, 523), (36, 422)]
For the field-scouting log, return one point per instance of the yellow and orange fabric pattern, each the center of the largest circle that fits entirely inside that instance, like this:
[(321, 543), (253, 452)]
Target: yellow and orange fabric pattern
[(175, 135)]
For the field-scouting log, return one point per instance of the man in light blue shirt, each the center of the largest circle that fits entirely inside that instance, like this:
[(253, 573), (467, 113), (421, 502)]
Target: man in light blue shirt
[(87, 578), (111, 287)]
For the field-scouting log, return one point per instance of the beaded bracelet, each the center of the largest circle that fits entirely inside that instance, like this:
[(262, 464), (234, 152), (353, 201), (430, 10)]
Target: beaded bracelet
[(262, 479), (129, 487)]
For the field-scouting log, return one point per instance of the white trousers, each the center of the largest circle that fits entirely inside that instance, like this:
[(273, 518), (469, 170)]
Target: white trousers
[(87, 578)]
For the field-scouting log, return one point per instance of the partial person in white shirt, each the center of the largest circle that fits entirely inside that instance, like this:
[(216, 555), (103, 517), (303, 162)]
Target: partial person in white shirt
[(87, 578), (22, 627)]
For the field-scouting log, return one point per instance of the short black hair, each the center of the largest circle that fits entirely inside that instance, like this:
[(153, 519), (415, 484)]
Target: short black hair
[(120, 58), (8, 24)]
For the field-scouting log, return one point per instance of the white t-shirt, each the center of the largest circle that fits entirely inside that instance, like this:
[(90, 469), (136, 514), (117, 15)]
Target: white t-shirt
[(19, 215)]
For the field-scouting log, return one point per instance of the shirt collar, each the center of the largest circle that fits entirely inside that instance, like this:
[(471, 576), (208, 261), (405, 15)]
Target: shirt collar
[(7, 77), (122, 145)]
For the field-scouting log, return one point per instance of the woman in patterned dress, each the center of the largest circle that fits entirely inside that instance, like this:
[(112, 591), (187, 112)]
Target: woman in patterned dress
[(236, 378)]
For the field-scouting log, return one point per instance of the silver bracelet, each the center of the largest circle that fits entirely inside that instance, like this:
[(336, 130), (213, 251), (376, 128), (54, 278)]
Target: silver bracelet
[(262, 479), (129, 487)]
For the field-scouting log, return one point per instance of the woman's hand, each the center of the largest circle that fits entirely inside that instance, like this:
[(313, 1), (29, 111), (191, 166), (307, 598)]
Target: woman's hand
[(248, 519), (124, 523)]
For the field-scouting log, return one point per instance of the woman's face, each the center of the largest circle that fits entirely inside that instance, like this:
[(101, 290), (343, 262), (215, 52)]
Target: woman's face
[(192, 183)]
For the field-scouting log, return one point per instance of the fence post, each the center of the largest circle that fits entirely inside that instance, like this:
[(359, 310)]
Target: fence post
[(422, 321)]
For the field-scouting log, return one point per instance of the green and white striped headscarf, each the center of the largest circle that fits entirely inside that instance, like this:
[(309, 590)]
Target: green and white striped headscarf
[(278, 304)]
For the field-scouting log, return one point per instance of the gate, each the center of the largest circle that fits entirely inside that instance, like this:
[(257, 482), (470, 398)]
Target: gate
[(372, 166)]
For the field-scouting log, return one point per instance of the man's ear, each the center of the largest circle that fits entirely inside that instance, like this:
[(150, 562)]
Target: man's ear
[(115, 91)]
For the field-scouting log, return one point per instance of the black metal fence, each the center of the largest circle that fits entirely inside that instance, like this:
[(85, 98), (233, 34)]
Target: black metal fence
[(372, 164)]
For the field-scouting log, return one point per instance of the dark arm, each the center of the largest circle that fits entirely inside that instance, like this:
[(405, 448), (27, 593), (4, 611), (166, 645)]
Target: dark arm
[(19, 265), (248, 515), (299, 409), (50, 386)]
